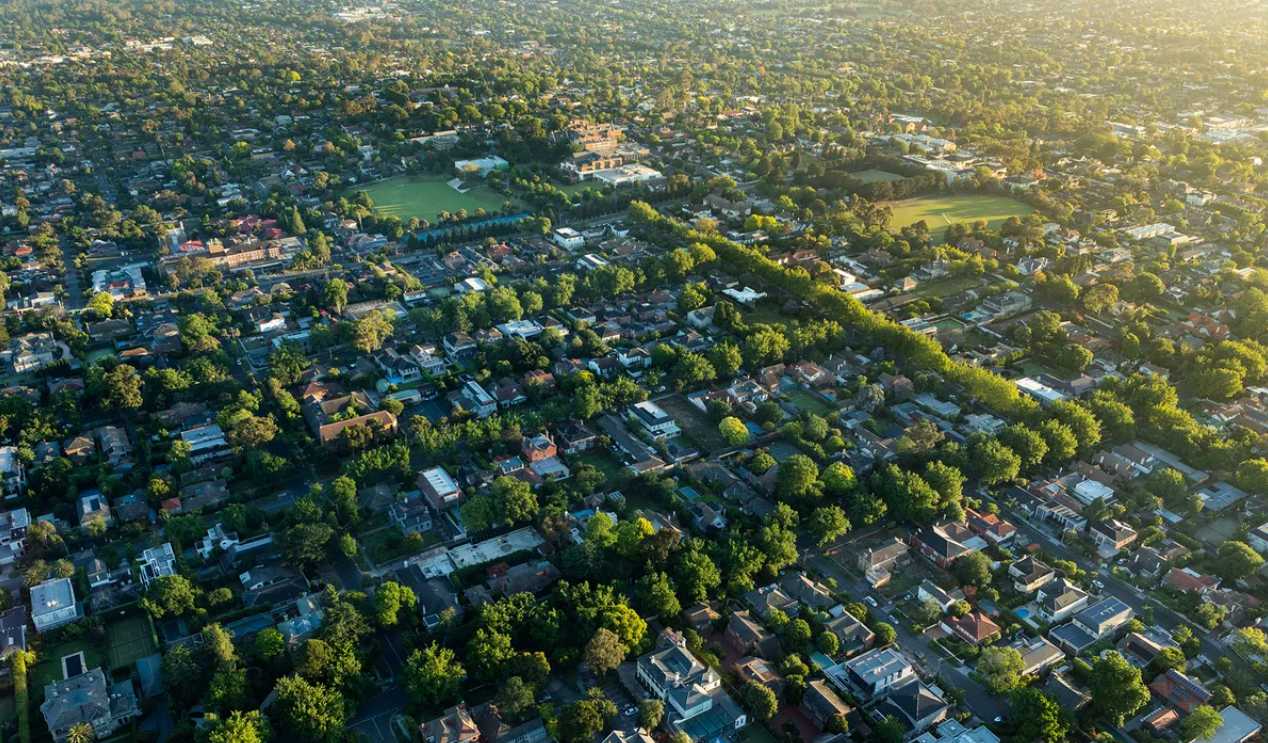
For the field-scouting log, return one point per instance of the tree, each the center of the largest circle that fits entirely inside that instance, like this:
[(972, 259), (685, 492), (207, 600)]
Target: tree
[(838, 480), (885, 634), (1001, 668), (1237, 560), (120, 389), (974, 569), (827, 523), (238, 727), (101, 305), (586, 718), (995, 462), (697, 574), (312, 713), (604, 652), (487, 650), (336, 294), (1061, 440), (650, 714), (798, 479), (734, 431), (80, 732), (828, 644), (515, 699), (304, 545), (1038, 717), (433, 675), (1167, 659), (169, 595), (1080, 420), (1202, 723), (1252, 476), (389, 599), (656, 592), (1116, 688), (726, 359), (1026, 442), (760, 700), (269, 644)]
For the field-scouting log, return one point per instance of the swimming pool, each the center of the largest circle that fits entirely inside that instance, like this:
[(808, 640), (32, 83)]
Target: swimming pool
[(1022, 613)]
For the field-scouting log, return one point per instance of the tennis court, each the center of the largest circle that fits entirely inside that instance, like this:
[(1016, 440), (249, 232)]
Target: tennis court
[(129, 641)]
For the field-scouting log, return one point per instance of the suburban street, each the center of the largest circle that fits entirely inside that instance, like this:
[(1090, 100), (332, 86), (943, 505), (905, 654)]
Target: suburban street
[(976, 697)]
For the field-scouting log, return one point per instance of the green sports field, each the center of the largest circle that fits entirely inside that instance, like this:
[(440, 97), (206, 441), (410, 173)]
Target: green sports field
[(872, 175), (427, 196), (939, 212)]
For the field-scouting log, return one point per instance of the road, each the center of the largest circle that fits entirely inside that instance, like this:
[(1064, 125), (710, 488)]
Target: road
[(74, 299), (374, 716), (978, 700)]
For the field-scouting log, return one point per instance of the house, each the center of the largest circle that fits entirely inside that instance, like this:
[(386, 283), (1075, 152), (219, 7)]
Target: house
[(700, 619), (1258, 538), (12, 631), (439, 489), (454, 726), (653, 419), (573, 437), (852, 635), (695, 702), (12, 472), (1111, 536), (474, 398), (943, 544), (1037, 655), (878, 563), (53, 604), (305, 618), (820, 705), (13, 528), (877, 671), (758, 671), (808, 592), (114, 445), (1184, 692), (1238, 727), (494, 728), (459, 345), (1029, 575), (157, 562), (929, 591), (768, 599), (1188, 580), (437, 599), (750, 638), (1059, 599), (411, 516), (86, 698), (1093, 623), (990, 527), (915, 705), (92, 507), (974, 628)]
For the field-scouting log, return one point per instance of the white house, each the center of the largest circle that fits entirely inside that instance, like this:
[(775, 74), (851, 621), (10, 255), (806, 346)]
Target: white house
[(157, 562), (53, 604), (654, 419), (568, 238)]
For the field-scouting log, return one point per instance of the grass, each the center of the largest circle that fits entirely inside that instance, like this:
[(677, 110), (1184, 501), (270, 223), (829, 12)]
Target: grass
[(948, 287), (602, 461), (939, 212), (693, 423), (389, 544), (129, 641), (49, 670), (756, 733), (873, 175), (807, 402), (426, 197)]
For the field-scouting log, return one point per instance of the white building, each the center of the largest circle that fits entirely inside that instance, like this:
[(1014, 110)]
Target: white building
[(654, 419), (695, 701), (568, 238), (12, 472), (53, 604), (157, 562), (13, 527)]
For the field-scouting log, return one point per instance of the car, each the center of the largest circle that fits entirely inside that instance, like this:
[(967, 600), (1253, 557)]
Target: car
[(871, 601), (998, 719), (631, 711), (1099, 585)]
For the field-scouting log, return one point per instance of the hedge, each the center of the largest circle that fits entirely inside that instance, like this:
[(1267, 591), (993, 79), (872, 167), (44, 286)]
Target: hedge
[(22, 695)]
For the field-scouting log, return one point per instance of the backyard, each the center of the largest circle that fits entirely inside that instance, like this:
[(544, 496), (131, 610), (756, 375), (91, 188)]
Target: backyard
[(693, 422), (938, 212), (49, 670), (426, 197), (129, 641)]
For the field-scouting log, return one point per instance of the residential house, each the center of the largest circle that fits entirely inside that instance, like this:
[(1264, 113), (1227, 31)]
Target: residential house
[(1188, 580), (695, 702), (820, 705), (1184, 692), (878, 563), (808, 592), (758, 671), (653, 419), (1037, 654), (990, 527), (975, 628), (915, 705), (1029, 575), (750, 638), (767, 599), (943, 544), (1111, 536), (87, 698), (12, 472), (877, 671), (53, 604), (1058, 600), (157, 562), (454, 726), (13, 528), (439, 489)]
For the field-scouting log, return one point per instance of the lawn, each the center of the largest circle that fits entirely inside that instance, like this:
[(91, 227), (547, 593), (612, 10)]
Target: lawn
[(948, 287), (49, 670), (807, 402), (129, 641), (693, 422), (604, 462), (938, 212), (427, 196), (872, 176)]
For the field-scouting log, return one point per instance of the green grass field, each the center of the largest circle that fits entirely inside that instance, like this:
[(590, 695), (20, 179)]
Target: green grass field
[(427, 196), (872, 175), (49, 670), (129, 641), (939, 212)]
